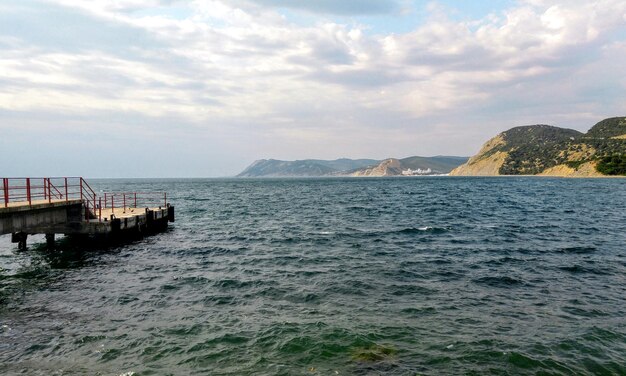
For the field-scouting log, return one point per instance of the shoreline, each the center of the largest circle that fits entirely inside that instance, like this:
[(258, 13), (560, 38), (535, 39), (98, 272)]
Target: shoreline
[(431, 176)]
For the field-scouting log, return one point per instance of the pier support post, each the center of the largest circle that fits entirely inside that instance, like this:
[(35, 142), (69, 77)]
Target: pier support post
[(170, 213), (20, 239), (50, 240)]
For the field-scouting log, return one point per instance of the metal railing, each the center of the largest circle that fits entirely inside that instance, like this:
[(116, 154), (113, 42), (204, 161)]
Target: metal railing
[(21, 190), (128, 200), (47, 190)]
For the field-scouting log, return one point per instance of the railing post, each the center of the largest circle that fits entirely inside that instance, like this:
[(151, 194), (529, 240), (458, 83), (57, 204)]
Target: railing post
[(49, 191), (28, 191), (81, 188), (124, 202), (66, 190), (105, 199), (100, 209), (165, 199), (5, 184), (135, 199)]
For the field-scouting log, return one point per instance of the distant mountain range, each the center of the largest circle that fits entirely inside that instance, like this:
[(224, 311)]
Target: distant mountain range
[(527, 150), (353, 167), (553, 151)]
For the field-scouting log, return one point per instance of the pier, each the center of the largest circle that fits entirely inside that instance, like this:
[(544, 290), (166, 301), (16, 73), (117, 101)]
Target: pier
[(69, 206)]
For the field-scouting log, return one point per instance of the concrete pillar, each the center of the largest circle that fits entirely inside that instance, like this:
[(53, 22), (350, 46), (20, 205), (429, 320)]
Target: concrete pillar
[(50, 240), (20, 239), (170, 213)]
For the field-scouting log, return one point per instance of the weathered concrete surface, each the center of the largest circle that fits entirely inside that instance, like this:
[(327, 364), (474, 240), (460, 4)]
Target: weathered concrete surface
[(68, 217), (39, 216), (23, 205)]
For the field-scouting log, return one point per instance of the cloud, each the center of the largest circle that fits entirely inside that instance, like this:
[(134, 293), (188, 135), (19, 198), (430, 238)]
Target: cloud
[(343, 7), (52, 27), (249, 82)]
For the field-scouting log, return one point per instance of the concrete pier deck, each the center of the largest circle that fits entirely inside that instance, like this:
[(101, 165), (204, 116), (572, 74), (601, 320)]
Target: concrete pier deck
[(86, 214), (24, 205), (130, 219)]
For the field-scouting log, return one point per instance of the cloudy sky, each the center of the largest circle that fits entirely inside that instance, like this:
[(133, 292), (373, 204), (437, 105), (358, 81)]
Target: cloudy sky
[(168, 88)]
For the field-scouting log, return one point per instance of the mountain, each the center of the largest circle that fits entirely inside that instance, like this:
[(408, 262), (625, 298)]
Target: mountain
[(345, 164), (350, 167), (553, 151), (303, 168), (388, 167)]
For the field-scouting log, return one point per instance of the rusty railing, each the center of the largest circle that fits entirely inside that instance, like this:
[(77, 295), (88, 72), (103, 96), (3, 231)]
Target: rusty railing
[(16, 191)]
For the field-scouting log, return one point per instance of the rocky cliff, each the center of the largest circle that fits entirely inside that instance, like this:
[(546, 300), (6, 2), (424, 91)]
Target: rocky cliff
[(388, 167), (552, 151)]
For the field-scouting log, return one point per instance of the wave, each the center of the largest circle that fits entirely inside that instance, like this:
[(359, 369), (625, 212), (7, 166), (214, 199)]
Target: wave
[(505, 260), (420, 311), (422, 230), (499, 281), (578, 269), (379, 233), (577, 250), (578, 311)]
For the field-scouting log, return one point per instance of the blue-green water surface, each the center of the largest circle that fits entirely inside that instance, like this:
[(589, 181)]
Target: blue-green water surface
[(414, 276)]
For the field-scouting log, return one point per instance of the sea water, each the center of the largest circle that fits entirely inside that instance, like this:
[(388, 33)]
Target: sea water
[(404, 276)]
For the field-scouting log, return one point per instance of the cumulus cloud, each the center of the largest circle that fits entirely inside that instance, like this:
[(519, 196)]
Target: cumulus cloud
[(246, 79), (344, 7)]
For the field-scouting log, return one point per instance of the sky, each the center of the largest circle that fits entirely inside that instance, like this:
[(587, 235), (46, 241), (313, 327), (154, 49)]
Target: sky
[(169, 88)]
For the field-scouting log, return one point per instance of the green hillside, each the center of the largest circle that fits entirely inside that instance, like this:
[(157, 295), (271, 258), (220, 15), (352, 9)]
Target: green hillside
[(545, 149), (534, 148), (612, 127)]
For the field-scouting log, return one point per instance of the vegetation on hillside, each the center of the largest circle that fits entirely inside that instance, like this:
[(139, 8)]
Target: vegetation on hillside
[(533, 149), (608, 128), (613, 165)]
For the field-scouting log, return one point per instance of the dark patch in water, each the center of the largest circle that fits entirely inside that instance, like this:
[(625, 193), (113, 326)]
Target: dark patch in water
[(403, 290), (424, 311), (219, 300), (374, 353), (234, 284), (523, 361), (577, 250), (500, 281), (578, 269), (504, 261), (578, 311)]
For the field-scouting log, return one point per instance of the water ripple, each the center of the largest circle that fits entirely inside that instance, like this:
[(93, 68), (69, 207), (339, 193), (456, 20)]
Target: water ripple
[(421, 276)]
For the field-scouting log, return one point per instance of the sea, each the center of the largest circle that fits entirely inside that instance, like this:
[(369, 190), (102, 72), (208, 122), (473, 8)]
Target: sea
[(333, 276)]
